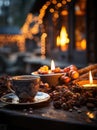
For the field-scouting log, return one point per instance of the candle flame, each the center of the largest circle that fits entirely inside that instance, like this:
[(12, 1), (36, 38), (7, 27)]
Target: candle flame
[(52, 65), (90, 77), (62, 39), (90, 82)]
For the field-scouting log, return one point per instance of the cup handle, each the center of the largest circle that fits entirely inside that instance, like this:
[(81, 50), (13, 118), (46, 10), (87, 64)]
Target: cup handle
[(9, 87)]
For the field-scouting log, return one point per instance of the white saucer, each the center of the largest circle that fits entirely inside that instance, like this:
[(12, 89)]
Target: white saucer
[(12, 99)]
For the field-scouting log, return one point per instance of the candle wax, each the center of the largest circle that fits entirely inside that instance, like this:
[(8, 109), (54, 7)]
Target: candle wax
[(90, 85)]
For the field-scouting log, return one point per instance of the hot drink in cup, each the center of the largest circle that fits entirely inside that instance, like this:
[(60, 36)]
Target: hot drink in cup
[(24, 86)]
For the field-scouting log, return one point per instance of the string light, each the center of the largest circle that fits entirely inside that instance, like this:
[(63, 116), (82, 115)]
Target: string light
[(28, 31), (7, 38), (43, 47)]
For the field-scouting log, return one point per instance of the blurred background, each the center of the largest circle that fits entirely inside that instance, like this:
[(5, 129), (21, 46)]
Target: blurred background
[(34, 32)]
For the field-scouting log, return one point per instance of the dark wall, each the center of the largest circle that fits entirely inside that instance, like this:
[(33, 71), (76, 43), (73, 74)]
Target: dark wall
[(91, 30), (37, 6)]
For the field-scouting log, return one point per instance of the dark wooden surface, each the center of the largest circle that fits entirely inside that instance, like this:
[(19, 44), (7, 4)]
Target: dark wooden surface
[(44, 116)]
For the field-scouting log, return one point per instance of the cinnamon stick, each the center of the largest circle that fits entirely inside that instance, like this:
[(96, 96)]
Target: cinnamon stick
[(87, 69), (85, 75)]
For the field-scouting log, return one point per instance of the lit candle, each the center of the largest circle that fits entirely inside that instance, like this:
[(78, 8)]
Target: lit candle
[(52, 65), (51, 77), (91, 83)]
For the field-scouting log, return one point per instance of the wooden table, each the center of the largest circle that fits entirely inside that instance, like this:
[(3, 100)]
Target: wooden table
[(44, 117)]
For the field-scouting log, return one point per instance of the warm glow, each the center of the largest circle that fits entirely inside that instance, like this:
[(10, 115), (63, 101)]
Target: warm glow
[(59, 5), (68, 0), (90, 84), (43, 51), (28, 31), (58, 41), (90, 115), (90, 77), (63, 36), (51, 10), (56, 15), (6, 39), (83, 44), (52, 65), (63, 2), (54, 1), (63, 39), (64, 12)]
